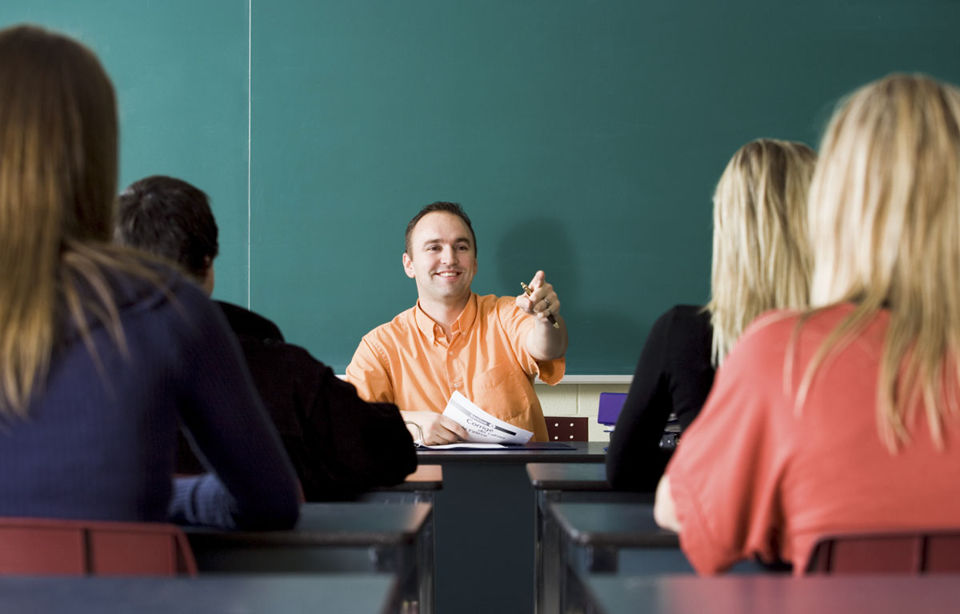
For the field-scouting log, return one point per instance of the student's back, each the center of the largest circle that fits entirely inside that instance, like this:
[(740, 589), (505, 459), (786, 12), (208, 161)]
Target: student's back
[(760, 262), (99, 441), (100, 349), (756, 476), (845, 417), (340, 445)]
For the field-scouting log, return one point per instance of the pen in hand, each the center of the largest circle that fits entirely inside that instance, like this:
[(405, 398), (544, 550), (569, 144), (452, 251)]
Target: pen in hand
[(550, 317)]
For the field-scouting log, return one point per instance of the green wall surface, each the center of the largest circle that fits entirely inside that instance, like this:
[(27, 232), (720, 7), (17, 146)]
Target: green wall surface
[(583, 137)]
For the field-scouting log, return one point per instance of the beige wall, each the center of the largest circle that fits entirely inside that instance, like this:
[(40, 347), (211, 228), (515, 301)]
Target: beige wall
[(577, 399)]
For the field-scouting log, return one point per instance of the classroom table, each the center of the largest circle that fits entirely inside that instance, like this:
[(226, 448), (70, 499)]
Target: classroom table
[(569, 482), (620, 538), (886, 594), (332, 537), (420, 486), (485, 525), (593, 536), (270, 594)]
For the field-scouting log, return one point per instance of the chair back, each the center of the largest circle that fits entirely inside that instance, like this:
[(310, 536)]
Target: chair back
[(567, 428), (920, 552), (51, 546)]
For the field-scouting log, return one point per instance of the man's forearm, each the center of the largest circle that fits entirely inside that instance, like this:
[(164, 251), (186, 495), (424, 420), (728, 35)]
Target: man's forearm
[(544, 342)]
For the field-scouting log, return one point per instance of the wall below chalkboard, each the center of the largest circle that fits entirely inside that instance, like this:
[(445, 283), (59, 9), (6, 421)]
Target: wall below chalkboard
[(579, 400)]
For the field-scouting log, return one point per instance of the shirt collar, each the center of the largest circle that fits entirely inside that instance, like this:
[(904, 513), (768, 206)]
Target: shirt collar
[(432, 330)]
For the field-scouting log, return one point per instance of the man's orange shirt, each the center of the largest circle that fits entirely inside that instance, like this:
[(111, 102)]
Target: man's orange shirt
[(409, 361)]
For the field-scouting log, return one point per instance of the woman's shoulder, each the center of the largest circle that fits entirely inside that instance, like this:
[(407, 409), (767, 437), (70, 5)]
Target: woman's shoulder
[(686, 313), (785, 323), (683, 319), (126, 283), (149, 284)]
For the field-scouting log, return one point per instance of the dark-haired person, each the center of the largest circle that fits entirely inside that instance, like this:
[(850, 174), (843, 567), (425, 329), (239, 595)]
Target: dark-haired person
[(339, 444), (489, 348), (104, 349)]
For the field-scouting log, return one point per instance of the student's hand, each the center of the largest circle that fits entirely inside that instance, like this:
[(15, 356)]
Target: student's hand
[(664, 509), (437, 428), (542, 301)]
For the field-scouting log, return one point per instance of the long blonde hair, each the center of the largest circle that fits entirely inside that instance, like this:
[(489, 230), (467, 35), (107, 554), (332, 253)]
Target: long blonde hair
[(760, 255), (58, 167), (885, 229)]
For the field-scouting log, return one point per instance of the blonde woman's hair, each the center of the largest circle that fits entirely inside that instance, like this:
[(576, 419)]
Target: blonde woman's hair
[(58, 167), (760, 255), (885, 230)]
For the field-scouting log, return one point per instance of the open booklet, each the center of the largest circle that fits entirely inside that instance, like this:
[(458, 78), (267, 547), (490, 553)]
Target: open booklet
[(484, 431)]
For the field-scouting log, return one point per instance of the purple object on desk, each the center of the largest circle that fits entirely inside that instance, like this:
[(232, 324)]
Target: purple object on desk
[(610, 405)]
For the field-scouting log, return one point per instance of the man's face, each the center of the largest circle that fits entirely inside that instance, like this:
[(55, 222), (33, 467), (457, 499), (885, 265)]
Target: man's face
[(442, 258)]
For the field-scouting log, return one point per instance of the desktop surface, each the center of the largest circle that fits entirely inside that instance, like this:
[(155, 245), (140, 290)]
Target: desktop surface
[(572, 452), (345, 593), (888, 594)]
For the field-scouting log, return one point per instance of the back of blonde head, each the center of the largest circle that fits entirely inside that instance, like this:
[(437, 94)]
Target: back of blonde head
[(760, 254), (58, 165), (885, 231)]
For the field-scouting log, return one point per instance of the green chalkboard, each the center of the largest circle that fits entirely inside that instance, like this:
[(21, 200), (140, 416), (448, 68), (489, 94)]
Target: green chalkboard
[(583, 137)]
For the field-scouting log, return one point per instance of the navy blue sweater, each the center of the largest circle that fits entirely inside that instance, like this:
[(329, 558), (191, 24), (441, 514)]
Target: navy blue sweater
[(100, 439)]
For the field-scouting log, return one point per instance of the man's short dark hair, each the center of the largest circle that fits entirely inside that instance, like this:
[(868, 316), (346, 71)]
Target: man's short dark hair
[(170, 218), (445, 207)]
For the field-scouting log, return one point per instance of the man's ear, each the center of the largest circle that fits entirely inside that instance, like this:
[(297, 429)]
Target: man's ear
[(408, 266)]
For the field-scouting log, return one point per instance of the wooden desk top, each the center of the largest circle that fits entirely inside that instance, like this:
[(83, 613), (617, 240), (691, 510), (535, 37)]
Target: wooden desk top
[(753, 594), (330, 524), (568, 476), (268, 594), (623, 525), (578, 452)]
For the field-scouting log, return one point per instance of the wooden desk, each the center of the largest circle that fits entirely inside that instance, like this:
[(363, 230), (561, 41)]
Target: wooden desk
[(332, 537), (348, 593), (564, 482), (485, 525), (782, 595)]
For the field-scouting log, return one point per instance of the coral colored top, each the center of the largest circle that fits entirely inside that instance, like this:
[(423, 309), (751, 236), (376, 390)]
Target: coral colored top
[(754, 476), (409, 361)]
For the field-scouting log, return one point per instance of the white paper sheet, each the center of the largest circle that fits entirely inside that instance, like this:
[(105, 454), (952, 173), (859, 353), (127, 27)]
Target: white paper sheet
[(481, 426)]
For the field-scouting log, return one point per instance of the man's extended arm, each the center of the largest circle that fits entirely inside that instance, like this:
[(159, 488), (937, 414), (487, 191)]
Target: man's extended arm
[(545, 341)]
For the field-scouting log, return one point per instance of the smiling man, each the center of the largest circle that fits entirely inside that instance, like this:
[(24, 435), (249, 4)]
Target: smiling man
[(489, 348)]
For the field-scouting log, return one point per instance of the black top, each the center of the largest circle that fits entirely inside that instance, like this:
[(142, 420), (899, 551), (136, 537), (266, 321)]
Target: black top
[(247, 323), (340, 445), (674, 374)]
